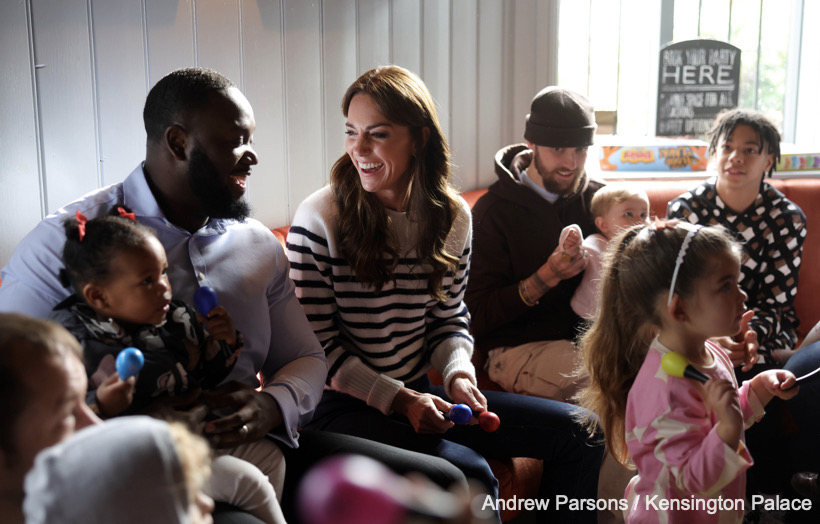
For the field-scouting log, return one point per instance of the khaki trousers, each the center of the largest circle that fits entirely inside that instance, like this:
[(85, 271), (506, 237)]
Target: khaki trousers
[(540, 369)]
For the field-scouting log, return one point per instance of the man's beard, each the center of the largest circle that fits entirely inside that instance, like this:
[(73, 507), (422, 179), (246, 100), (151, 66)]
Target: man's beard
[(215, 196), (550, 182)]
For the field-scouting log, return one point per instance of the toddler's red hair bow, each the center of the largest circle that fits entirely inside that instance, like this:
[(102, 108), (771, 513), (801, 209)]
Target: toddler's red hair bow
[(124, 214), (81, 220)]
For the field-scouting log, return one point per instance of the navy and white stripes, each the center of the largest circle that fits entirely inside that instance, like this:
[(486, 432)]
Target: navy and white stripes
[(376, 341)]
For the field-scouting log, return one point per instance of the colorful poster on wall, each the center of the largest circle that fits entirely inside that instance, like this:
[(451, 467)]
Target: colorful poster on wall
[(696, 80)]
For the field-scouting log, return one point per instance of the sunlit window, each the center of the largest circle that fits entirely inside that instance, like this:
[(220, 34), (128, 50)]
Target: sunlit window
[(609, 50)]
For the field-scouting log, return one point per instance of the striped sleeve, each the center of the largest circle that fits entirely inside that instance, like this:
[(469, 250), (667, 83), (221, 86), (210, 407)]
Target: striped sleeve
[(316, 273), (448, 322), (375, 341)]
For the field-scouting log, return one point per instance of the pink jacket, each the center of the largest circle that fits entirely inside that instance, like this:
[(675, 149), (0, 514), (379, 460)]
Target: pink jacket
[(686, 473)]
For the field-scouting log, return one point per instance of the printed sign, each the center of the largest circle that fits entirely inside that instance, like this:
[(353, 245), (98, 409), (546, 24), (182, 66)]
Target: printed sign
[(696, 80), (652, 154)]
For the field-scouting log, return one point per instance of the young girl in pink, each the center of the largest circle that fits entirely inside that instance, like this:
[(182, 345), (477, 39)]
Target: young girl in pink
[(670, 287)]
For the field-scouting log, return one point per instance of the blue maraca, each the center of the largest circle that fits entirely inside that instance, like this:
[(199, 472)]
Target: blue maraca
[(460, 414), (205, 299), (129, 362)]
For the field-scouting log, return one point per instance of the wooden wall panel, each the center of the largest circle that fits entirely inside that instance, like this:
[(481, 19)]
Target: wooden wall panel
[(406, 34), (121, 86), (435, 62), (303, 92), (340, 68), (67, 99), (464, 101), (492, 107), (218, 43), (21, 205), (373, 30), (169, 28), (263, 51), (522, 77)]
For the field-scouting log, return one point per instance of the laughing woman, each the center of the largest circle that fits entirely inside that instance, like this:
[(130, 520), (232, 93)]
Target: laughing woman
[(380, 258)]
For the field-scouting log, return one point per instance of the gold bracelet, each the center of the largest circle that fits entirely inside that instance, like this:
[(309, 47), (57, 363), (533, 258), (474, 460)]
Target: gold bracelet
[(523, 292), (527, 293)]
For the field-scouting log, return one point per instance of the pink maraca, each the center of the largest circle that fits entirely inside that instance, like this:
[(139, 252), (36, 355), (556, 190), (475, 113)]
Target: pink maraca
[(349, 489)]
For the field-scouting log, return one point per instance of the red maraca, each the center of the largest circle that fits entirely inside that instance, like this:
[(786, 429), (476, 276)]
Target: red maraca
[(489, 421)]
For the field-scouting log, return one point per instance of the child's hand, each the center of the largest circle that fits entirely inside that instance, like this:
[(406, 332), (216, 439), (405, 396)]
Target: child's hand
[(220, 326), (721, 396), (742, 348), (568, 259), (115, 395), (774, 383)]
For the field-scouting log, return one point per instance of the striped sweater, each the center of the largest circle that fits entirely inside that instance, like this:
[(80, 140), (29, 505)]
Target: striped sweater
[(375, 342)]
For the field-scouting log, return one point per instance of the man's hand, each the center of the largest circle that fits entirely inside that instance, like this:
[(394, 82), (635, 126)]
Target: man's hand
[(255, 414), (742, 348), (185, 408), (560, 267)]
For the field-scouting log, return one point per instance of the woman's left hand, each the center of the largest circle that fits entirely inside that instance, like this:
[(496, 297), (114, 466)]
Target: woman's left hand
[(463, 391)]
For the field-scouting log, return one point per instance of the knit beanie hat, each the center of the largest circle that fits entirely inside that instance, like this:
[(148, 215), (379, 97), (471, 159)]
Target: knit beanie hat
[(124, 471), (560, 118)]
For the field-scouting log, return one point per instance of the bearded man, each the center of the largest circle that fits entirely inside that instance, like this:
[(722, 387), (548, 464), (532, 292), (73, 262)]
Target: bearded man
[(521, 282)]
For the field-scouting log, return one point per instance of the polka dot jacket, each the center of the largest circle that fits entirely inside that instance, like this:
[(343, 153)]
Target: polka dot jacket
[(772, 231)]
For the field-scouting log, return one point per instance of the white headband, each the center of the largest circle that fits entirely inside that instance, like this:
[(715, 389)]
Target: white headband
[(679, 261)]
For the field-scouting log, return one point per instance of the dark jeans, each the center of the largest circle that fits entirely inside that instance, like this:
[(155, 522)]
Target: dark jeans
[(805, 407), (530, 427), (785, 440)]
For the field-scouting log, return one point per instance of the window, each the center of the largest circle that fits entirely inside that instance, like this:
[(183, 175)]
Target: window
[(609, 50)]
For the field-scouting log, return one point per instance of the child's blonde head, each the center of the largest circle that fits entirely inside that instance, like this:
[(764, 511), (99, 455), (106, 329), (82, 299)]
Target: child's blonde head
[(635, 283), (612, 194)]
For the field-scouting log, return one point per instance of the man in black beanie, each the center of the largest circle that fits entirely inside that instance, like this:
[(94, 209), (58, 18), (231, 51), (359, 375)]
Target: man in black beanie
[(521, 283)]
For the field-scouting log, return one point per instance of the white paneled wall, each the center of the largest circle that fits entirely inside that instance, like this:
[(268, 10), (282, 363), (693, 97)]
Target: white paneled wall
[(76, 73)]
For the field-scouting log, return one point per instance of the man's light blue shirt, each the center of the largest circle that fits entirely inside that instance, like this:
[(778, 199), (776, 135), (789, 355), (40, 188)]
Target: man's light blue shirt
[(546, 195)]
